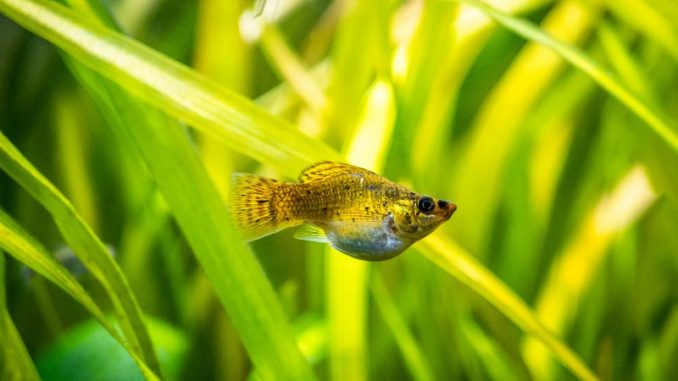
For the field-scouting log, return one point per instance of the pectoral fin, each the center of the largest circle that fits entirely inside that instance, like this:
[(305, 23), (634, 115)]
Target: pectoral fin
[(311, 233)]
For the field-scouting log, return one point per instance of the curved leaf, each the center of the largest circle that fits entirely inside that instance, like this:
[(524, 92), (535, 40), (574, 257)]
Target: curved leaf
[(653, 118), (14, 352), (172, 87), (456, 261), (26, 250), (15, 362), (86, 245)]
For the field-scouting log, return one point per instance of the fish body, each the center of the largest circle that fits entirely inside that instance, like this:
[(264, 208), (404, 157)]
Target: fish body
[(359, 212)]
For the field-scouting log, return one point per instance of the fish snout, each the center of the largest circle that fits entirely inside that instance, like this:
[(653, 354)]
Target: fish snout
[(447, 206)]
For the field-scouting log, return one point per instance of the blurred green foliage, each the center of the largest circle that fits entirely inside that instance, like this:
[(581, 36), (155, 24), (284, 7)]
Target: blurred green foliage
[(555, 137)]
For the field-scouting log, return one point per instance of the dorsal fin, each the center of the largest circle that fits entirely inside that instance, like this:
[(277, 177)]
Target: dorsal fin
[(326, 169)]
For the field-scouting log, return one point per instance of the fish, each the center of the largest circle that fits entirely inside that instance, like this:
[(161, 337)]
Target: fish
[(356, 211)]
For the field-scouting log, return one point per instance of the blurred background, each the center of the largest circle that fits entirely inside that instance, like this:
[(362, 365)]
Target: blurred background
[(564, 193)]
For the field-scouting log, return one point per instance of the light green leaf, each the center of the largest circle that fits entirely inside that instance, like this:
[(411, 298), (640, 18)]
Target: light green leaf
[(15, 362), (235, 275), (456, 261), (652, 117), (414, 358), (85, 244), (172, 87)]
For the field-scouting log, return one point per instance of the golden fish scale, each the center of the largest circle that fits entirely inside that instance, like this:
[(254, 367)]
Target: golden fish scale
[(344, 197)]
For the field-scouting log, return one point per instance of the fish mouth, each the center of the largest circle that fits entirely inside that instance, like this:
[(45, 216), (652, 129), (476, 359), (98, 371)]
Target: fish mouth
[(448, 207)]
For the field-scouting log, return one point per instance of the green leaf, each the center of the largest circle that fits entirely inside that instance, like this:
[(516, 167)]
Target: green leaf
[(172, 87), (15, 362), (652, 117), (89, 343), (234, 273), (460, 264), (414, 358), (26, 250), (230, 265), (85, 244), (556, 305)]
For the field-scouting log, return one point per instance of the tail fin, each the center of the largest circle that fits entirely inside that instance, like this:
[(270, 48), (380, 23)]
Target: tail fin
[(251, 201)]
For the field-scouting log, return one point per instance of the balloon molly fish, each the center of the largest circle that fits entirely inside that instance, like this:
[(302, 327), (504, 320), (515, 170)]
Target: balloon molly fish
[(357, 211)]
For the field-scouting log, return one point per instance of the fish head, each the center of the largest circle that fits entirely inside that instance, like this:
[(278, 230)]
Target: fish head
[(419, 215)]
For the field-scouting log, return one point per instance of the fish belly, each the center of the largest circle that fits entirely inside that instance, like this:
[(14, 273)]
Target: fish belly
[(366, 243)]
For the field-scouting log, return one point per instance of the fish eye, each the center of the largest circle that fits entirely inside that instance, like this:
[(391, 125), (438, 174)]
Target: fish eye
[(426, 204)]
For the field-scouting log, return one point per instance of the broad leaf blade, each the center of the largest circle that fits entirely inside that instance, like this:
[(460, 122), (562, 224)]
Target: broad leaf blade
[(174, 88), (236, 276)]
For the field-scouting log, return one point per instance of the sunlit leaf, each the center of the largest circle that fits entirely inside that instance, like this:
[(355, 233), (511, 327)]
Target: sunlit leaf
[(652, 117), (176, 89), (453, 259)]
